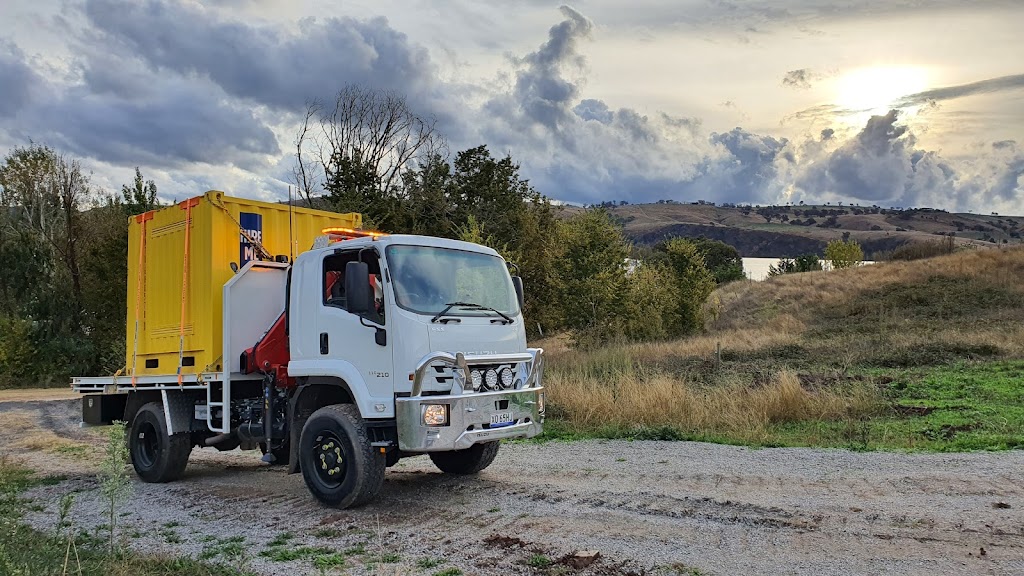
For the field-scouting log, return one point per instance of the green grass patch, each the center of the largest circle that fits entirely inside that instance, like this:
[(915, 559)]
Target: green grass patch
[(327, 561), (24, 550), (280, 554), (329, 532), (427, 563), (538, 561)]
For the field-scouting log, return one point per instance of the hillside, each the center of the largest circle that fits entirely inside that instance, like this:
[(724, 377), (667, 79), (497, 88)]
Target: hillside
[(788, 231)]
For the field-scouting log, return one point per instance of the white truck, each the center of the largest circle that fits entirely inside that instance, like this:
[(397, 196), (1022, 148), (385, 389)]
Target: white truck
[(356, 354)]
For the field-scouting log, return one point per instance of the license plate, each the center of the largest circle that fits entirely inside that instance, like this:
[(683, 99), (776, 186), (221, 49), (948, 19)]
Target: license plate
[(501, 418)]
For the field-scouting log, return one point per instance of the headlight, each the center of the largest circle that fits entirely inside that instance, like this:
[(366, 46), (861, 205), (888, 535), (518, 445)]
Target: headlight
[(491, 379), (477, 379), (435, 414), (507, 378)]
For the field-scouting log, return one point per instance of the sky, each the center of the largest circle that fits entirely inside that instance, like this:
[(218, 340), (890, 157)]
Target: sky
[(889, 102)]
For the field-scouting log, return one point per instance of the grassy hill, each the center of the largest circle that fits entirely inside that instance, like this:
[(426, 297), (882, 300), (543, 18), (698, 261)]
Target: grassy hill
[(923, 354), (788, 231)]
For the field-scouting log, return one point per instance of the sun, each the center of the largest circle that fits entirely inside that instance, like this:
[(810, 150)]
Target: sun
[(875, 89)]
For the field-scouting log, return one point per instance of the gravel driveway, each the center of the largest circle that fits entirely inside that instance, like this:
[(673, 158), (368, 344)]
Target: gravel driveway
[(646, 507)]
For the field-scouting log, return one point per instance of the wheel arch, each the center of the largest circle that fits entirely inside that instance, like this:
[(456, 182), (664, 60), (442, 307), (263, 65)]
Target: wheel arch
[(313, 393), (137, 399)]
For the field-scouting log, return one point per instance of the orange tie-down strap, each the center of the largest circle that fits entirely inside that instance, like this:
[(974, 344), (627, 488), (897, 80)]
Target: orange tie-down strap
[(187, 206), (139, 273)]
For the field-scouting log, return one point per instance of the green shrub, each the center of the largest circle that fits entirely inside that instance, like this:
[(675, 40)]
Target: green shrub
[(844, 253)]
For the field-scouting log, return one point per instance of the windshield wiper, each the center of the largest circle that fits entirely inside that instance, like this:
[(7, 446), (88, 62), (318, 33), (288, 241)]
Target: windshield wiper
[(470, 306)]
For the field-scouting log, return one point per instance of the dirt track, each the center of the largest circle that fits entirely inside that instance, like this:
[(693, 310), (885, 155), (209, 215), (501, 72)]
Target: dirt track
[(647, 507)]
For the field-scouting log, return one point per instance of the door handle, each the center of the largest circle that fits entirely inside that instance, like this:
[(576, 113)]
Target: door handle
[(324, 348)]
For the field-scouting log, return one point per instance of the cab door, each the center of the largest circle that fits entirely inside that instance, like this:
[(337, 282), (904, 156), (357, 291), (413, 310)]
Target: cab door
[(354, 337)]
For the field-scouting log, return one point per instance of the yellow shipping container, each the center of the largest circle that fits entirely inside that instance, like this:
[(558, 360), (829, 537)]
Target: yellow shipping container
[(223, 231)]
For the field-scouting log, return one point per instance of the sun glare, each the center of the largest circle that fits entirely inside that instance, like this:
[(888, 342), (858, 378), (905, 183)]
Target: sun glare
[(874, 90)]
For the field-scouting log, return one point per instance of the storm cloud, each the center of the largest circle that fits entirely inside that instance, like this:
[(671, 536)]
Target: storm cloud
[(262, 63), (17, 78)]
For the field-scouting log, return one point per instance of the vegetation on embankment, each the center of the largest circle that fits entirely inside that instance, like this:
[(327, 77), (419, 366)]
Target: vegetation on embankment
[(29, 552), (898, 355)]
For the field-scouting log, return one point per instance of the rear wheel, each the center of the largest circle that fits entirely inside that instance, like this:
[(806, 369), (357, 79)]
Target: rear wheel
[(156, 456), (340, 466), (468, 461)]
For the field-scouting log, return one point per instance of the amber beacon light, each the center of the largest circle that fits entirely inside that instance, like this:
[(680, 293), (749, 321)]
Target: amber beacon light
[(347, 233)]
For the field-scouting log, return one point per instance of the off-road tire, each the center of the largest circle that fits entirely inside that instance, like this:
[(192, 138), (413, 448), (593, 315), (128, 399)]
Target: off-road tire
[(156, 456), (361, 468), (468, 461)]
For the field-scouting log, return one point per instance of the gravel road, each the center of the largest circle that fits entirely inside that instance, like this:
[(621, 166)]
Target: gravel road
[(647, 507)]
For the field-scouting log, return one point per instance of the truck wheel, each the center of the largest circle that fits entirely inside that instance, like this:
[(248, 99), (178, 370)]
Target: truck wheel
[(156, 456), (468, 461), (281, 453), (338, 463)]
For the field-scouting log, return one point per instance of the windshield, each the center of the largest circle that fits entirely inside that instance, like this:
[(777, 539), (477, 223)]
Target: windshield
[(427, 279)]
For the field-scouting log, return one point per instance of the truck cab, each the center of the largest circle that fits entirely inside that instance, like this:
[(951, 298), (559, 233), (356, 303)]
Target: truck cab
[(424, 337)]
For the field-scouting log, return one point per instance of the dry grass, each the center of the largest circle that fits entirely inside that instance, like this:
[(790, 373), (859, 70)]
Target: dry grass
[(22, 432), (34, 394), (631, 400)]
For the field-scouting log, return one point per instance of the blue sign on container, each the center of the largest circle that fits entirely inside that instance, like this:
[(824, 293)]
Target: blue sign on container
[(252, 224)]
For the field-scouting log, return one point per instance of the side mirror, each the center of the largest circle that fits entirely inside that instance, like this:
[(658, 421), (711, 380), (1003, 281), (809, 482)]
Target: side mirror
[(517, 282), (357, 287)]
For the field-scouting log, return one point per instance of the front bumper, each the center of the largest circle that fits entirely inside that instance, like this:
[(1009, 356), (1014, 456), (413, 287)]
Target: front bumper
[(469, 413)]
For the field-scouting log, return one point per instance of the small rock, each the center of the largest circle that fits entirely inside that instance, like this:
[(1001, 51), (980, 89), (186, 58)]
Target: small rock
[(583, 558), (982, 553), (1000, 505)]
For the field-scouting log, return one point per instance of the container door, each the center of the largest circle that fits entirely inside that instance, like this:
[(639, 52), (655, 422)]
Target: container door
[(352, 337)]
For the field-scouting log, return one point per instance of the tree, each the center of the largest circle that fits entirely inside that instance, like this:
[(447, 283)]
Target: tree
[(695, 283), (721, 259), (844, 253), (649, 311), (40, 246), (364, 145), (140, 197), (592, 273), (802, 263)]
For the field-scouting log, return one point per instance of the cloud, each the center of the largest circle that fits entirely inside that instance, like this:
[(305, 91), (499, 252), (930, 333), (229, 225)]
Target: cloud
[(542, 94), (130, 116), (17, 78), (262, 63), (595, 110), (800, 79), (1014, 82), (883, 164)]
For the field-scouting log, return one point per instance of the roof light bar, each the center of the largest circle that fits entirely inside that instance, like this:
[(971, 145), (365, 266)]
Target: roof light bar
[(350, 233)]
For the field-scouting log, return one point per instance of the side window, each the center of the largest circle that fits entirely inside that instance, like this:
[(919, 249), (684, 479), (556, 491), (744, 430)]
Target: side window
[(334, 282)]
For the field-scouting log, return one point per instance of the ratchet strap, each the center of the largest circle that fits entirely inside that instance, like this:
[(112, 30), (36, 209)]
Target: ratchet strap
[(187, 207), (139, 272)]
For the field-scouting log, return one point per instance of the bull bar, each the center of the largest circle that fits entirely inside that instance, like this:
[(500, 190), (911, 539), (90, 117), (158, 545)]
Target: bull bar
[(469, 412)]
